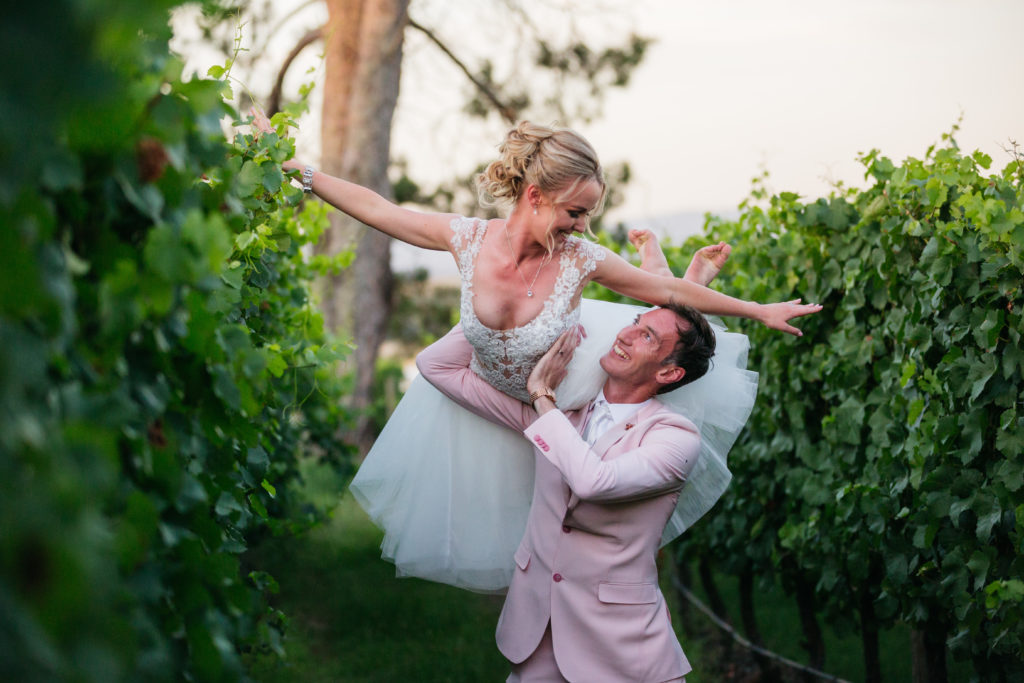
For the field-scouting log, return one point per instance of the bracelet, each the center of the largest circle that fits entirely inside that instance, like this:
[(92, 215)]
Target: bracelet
[(536, 395), (307, 179)]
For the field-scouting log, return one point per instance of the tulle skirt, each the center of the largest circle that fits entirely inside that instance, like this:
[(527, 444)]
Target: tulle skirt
[(452, 491)]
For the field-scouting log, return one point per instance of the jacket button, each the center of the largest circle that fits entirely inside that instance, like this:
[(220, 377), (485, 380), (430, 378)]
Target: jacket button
[(557, 577), (566, 528)]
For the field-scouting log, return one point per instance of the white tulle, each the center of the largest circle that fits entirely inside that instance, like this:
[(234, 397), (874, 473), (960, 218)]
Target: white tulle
[(451, 491)]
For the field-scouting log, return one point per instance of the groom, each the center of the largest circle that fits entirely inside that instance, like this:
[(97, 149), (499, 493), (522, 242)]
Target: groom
[(584, 602)]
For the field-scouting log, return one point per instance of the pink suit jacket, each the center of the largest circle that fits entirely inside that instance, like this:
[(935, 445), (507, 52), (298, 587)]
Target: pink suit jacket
[(587, 562)]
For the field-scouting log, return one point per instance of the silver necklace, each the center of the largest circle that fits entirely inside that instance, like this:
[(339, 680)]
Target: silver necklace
[(529, 287)]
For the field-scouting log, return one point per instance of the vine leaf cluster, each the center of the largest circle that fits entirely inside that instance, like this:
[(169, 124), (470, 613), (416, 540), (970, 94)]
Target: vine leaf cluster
[(164, 370), (881, 471)]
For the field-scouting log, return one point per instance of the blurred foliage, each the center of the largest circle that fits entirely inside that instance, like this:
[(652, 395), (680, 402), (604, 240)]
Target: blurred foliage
[(424, 311), (884, 460), (161, 364)]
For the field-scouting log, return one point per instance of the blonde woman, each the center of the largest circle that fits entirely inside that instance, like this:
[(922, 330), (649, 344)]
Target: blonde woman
[(451, 490)]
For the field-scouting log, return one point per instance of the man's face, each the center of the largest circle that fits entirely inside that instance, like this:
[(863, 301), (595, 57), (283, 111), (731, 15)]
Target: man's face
[(639, 349)]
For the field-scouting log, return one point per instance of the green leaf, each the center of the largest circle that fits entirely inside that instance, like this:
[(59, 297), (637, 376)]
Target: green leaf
[(249, 178), (226, 504), (257, 505), (244, 239), (1010, 442), (1010, 473), (272, 177), (980, 373), (165, 254), (909, 370), (63, 172), (979, 565), (989, 512), (896, 568), (276, 365), (936, 191), (915, 410), (1005, 591), (224, 387), (233, 277), (257, 459)]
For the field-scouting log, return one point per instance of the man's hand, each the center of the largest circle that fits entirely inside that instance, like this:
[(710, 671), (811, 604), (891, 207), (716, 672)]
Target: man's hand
[(551, 368)]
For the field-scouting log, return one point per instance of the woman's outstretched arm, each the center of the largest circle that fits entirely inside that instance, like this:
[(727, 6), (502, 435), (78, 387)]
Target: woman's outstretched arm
[(426, 230), (618, 275)]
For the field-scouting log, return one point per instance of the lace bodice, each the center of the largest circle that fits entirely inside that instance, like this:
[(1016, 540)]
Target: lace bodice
[(505, 358)]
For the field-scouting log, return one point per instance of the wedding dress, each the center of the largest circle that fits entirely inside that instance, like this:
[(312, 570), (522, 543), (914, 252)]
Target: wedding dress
[(452, 491)]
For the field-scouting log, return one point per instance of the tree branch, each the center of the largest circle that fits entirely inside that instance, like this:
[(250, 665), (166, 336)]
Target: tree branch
[(274, 102), (507, 112)]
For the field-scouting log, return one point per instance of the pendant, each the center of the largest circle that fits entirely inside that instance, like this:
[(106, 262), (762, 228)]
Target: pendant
[(529, 292)]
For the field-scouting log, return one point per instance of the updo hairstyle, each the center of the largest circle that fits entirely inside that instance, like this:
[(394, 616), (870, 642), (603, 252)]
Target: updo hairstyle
[(557, 160)]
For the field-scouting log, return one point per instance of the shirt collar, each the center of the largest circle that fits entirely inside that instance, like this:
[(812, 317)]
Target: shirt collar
[(621, 411)]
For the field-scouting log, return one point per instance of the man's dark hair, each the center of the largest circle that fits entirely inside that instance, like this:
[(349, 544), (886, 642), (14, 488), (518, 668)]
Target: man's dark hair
[(695, 347)]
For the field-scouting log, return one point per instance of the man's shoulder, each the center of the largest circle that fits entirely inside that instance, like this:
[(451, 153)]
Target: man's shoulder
[(660, 414)]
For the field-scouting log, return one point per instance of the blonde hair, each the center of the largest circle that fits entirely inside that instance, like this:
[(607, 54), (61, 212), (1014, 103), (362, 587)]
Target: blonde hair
[(556, 160)]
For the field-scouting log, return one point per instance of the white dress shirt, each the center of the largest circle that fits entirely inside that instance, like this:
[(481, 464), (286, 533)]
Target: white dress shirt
[(604, 414)]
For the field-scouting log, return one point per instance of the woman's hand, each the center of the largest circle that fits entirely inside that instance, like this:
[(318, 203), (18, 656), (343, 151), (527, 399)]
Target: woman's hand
[(260, 120), (551, 368), (262, 124), (777, 316)]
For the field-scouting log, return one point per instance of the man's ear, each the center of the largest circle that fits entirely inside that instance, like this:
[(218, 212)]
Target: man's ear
[(669, 374)]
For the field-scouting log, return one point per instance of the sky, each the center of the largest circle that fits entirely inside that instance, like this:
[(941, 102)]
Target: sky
[(800, 88), (730, 88)]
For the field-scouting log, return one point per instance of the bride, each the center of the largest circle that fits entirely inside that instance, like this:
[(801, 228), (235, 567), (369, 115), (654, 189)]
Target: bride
[(451, 490)]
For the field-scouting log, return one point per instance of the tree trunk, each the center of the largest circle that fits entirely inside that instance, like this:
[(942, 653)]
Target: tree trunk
[(813, 641), (707, 581), (928, 654), (717, 605), (685, 576), (769, 673), (363, 56), (869, 626), (341, 50)]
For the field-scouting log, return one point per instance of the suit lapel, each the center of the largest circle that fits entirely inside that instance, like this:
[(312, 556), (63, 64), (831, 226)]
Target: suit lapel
[(617, 431), (614, 434)]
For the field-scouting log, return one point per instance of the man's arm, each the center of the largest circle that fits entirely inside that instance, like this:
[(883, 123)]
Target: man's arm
[(661, 463), (445, 364)]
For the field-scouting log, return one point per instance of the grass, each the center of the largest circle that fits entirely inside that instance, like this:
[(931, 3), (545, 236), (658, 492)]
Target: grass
[(779, 623), (351, 620)]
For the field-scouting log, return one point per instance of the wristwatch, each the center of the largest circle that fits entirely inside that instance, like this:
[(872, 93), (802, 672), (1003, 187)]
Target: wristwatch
[(536, 395)]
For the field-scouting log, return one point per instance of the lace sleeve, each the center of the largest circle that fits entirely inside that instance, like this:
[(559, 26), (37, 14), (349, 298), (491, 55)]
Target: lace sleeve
[(467, 234), (579, 260), (588, 254)]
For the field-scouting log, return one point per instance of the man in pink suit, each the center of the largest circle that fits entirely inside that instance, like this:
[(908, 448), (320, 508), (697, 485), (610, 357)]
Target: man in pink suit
[(584, 603)]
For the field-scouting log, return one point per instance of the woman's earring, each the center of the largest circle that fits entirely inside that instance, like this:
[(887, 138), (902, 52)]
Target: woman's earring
[(534, 209)]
